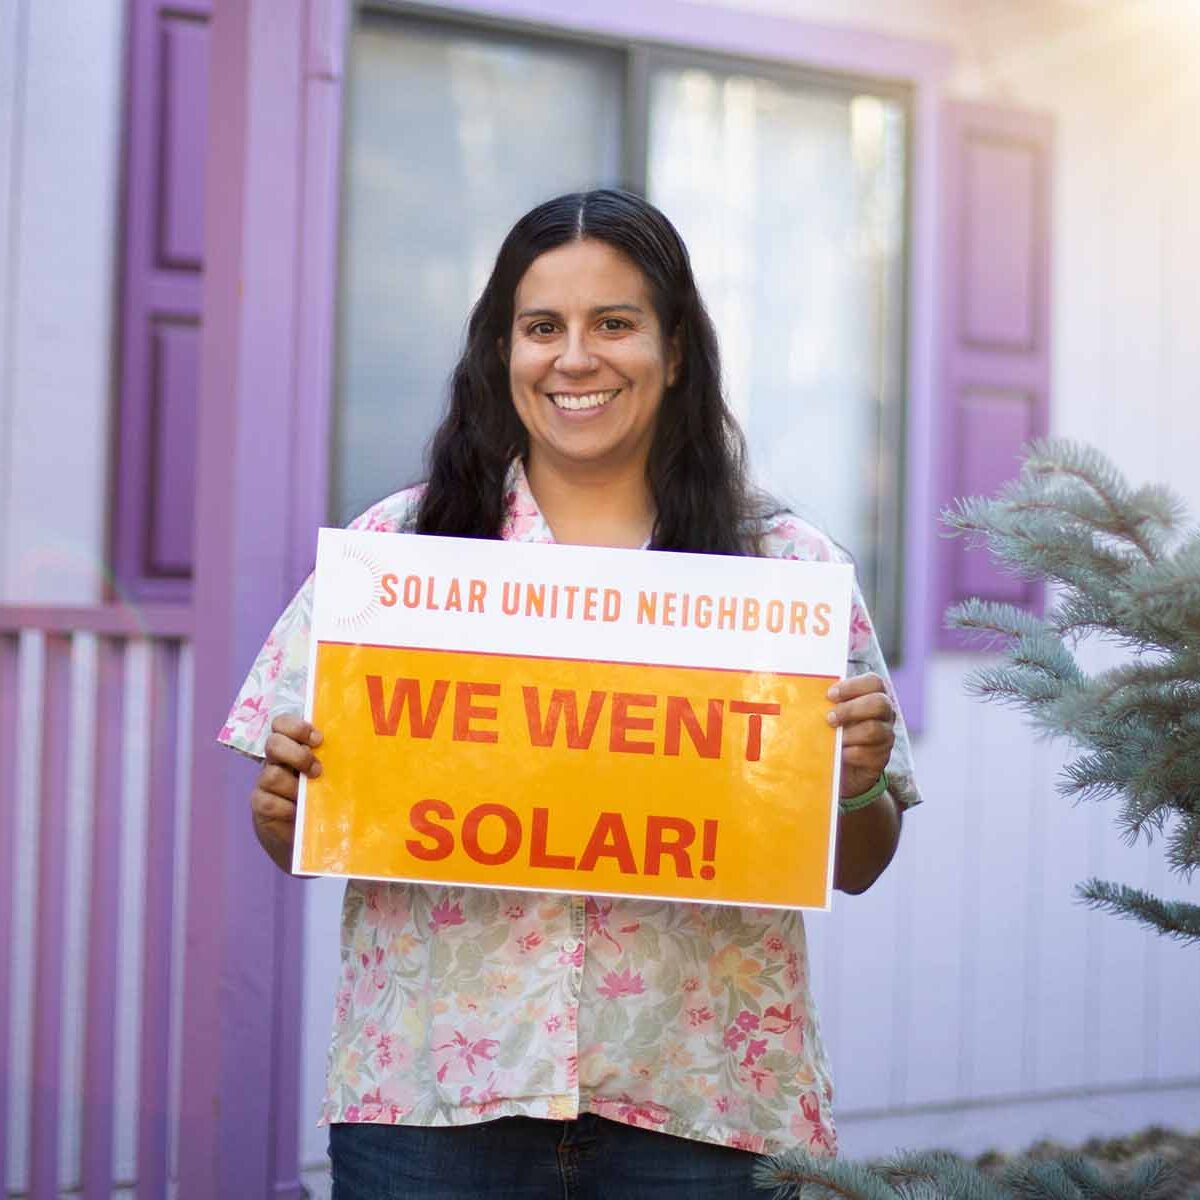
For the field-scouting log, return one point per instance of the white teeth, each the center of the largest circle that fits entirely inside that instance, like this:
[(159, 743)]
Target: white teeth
[(574, 403)]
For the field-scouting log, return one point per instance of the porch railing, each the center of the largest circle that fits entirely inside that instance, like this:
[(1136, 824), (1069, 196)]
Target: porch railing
[(94, 771)]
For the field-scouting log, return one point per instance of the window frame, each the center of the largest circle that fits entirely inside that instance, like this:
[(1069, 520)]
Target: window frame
[(650, 31)]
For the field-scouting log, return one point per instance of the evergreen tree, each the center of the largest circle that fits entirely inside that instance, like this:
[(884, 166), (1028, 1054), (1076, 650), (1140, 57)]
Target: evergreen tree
[(1125, 569)]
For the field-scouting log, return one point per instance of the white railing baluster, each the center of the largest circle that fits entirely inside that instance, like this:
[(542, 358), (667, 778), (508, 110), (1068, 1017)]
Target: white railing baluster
[(95, 722)]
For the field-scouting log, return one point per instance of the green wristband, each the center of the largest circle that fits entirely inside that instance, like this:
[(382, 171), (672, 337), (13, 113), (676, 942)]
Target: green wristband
[(854, 803)]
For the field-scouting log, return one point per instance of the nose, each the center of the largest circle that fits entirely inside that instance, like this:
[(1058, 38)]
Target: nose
[(575, 357)]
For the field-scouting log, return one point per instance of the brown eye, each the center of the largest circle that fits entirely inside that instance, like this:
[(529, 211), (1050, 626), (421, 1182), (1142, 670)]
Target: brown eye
[(541, 328), (613, 324)]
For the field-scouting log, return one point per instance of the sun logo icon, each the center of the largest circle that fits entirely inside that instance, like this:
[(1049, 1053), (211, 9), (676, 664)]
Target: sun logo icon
[(358, 585)]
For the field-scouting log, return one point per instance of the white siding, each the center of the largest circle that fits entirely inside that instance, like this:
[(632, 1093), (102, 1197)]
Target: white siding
[(60, 141)]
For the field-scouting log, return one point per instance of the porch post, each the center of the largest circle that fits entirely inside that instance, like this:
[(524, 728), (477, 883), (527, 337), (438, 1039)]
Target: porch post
[(270, 220)]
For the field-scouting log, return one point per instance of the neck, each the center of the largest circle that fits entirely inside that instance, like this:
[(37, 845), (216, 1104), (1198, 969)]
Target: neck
[(601, 506)]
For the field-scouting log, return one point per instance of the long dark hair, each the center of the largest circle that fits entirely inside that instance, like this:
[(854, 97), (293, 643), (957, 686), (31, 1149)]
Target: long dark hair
[(697, 465)]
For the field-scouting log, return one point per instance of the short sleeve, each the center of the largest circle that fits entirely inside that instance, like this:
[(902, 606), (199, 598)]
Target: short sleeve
[(787, 536), (278, 680)]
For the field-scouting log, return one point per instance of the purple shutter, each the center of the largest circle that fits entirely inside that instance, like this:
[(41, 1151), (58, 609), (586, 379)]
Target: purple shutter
[(994, 370), (154, 460)]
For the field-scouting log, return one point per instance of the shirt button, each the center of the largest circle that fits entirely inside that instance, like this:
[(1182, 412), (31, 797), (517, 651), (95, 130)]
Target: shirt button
[(571, 945)]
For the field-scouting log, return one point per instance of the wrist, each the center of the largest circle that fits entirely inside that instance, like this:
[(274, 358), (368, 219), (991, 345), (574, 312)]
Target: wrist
[(850, 804)]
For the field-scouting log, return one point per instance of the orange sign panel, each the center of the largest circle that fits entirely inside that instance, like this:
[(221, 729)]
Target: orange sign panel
[(569, 776)]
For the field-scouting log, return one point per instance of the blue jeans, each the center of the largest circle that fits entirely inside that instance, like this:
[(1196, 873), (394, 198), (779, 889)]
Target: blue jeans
[(520, 1158)]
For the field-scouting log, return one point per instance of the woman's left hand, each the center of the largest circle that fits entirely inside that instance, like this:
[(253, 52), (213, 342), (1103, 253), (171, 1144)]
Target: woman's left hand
[(867, 716)]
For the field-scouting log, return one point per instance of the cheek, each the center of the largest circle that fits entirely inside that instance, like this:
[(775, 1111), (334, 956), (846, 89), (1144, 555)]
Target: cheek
[(525, 367), (654, 372)]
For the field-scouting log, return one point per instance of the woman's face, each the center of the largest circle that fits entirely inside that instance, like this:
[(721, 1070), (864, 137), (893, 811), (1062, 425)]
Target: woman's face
[(587, 361)]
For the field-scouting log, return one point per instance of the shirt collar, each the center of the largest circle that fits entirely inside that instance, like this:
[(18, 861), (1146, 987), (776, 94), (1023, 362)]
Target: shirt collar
[(523, 520)]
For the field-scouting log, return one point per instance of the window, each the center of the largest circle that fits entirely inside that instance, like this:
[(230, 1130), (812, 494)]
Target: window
[(452, 135), (790, 196), (788, 187)]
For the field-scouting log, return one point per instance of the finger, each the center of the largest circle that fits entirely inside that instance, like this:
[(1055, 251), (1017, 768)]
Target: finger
[(297, 728), (267, 807), (857, 685), (284, 751), (874, 707), (868, 759), (279, 781), (868, 733)]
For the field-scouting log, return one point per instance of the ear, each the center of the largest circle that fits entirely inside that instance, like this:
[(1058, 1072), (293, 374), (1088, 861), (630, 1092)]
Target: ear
[(674, 357), (502, 350)]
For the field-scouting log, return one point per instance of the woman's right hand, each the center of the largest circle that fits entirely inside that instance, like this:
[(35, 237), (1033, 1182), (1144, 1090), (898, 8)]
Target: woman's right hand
[(289, 754)]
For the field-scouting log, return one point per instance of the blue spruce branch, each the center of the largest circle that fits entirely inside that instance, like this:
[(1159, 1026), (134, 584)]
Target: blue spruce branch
[(1128, 572), (1174, 918)]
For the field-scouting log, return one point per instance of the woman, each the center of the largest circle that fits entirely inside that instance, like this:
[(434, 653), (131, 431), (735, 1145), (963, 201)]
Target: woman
[(518, 1044)]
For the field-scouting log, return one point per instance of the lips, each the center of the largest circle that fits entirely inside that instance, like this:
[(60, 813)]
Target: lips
[(582, 401)]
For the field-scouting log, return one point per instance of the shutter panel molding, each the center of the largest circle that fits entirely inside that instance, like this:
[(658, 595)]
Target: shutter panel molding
[(154, 454), (993, 386)]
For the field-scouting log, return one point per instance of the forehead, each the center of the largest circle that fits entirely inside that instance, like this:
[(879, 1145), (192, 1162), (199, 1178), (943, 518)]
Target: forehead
[(584, 273)]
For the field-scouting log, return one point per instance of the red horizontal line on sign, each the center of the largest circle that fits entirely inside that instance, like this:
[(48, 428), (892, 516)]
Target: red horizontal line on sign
[(612, 662)]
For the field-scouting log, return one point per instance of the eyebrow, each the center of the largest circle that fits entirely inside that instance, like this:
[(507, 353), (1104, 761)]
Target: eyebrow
[(595, 312)]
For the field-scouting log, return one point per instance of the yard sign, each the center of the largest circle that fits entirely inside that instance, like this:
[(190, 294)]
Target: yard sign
[(574, 719)]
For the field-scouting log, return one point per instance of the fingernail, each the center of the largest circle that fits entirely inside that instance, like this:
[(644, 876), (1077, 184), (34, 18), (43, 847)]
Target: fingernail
[(315, 770), (831, 717), (316, 738), (833, 692)]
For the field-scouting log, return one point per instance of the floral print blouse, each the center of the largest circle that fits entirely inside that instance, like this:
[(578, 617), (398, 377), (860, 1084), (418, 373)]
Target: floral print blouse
[(459, 1005)]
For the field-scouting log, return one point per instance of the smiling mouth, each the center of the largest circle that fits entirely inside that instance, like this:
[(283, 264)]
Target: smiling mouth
[(577, 403)]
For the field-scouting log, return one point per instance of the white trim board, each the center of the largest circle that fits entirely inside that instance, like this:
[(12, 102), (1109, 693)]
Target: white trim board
[(1013, 1124)]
